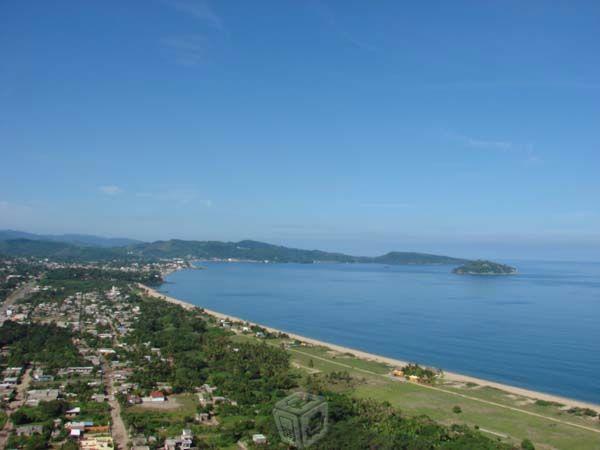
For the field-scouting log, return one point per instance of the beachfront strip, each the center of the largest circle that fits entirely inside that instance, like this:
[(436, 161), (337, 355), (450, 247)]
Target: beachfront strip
[(93, 359)]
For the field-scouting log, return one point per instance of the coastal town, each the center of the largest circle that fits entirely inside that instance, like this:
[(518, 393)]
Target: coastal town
[(92, 357), (69, 384)]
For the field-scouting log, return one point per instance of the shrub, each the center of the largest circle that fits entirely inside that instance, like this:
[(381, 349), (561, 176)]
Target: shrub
[(526, 444), (548, 403), (582, 412)]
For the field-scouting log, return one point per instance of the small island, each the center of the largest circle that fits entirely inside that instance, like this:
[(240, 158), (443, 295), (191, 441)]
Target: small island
[(482, 267)]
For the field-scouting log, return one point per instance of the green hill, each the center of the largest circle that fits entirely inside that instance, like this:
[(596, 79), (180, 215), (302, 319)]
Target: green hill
[(60, 251), (243, 250), (75, 239), (415, 258), (482, 267), (260, 251)]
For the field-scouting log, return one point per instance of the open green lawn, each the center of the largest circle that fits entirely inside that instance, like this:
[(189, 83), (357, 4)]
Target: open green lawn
[(511, 419), (413, 399), (343, 359), (550, 410)]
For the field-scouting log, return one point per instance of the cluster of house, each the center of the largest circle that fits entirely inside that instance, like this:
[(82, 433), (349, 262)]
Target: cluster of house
[(164, 267), (17, 313), (109, 317), (10, 380), (206, 397), (182, 442), (399, 373), (243, 327), (88, 436), (91, 312)]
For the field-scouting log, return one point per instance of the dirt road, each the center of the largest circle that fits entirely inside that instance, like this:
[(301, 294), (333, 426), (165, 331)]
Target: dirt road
[(15, 296), (119, 432)]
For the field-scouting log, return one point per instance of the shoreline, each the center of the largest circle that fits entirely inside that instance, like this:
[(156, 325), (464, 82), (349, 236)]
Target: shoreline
[(450, 376)]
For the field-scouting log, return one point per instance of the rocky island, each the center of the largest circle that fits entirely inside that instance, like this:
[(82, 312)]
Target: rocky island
[(483, 267)]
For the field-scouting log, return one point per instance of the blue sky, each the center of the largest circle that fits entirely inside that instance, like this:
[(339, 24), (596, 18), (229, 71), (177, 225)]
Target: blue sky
[(463, 127)]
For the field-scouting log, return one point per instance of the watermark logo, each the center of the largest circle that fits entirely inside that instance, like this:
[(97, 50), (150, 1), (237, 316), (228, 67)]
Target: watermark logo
[(301, 419)]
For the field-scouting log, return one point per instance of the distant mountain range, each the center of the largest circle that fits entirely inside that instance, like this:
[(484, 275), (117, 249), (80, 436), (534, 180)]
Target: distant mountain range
[(60, 251), (76, 239), (260, 251), (85, 247)]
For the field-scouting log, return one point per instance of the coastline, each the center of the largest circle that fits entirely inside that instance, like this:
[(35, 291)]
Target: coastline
[(450, 376)]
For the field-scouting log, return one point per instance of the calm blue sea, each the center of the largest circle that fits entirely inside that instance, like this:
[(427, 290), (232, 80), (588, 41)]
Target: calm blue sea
[(539, 329)]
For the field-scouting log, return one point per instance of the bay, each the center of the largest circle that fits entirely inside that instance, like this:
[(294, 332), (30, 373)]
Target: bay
[(539, 329)]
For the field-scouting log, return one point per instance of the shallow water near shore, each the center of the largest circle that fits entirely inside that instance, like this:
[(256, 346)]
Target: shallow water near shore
[(539, 329)]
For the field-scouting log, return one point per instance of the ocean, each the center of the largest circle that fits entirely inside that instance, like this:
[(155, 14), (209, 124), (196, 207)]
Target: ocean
[(539, 329)]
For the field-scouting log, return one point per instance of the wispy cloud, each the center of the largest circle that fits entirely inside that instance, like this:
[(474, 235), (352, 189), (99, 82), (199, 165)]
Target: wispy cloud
[(192, 49), (488, 144), (178, 196), (199, 9), (188, 50), (110, 189), (525, 151)]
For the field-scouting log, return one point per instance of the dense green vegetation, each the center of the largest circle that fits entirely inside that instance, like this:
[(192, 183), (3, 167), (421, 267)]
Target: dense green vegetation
[(399, 258), (96, 275), (46, 344), (582, 412), (35, 442), (179, 335), (256, 375), (45, 412), (424, 374), (481, 267)]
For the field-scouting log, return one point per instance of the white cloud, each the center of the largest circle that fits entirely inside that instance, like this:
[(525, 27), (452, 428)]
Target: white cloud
[(526, 151), (489, 144), (110, 189), (193, 49)]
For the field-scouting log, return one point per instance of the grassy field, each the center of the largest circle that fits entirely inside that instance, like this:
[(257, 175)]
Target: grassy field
[(506, 417)]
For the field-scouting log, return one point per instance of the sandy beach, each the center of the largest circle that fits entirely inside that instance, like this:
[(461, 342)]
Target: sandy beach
[(450, 376)]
